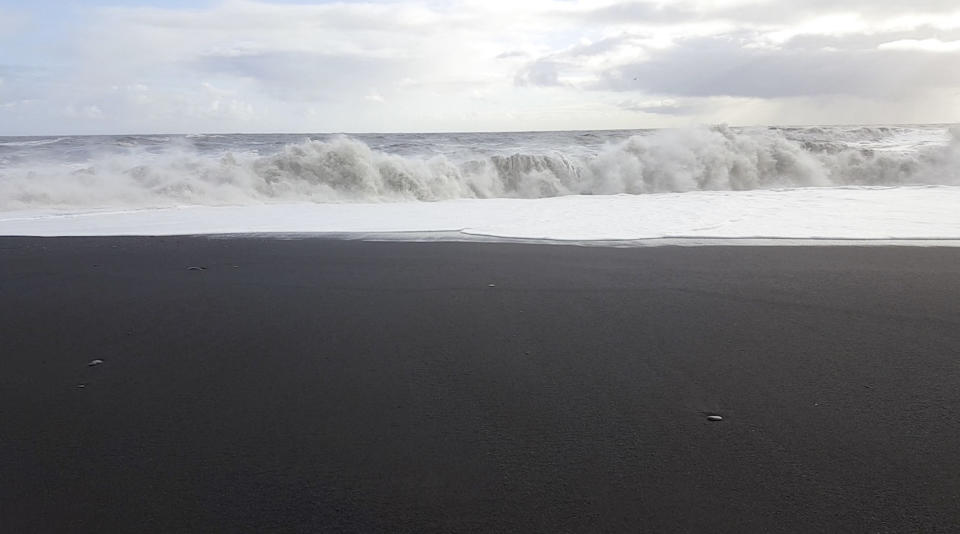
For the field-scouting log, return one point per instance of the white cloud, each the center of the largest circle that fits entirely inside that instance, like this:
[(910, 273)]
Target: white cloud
[(924, 45)]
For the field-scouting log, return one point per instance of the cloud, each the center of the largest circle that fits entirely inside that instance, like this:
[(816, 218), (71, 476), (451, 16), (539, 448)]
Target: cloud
[(923, 45), (303, 76), (755, 13), (542, 72), (865, 41), (726, 66), (797, 11), (868, 7), (659, 107), (649, 13)]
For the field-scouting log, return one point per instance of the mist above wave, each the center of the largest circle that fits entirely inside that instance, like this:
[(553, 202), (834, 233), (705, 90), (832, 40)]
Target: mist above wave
[(343, 169)]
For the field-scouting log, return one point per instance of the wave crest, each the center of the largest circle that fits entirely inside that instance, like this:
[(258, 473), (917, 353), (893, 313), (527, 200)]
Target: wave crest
[(347, 170)]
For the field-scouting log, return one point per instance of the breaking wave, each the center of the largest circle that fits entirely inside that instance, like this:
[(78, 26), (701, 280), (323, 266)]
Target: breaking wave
[(343, 169)]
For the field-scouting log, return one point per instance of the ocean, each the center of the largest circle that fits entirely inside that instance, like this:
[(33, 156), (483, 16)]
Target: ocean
[(708, 182)]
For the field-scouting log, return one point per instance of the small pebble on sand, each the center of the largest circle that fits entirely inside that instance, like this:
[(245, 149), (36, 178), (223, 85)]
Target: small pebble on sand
[(714, 418), (94, 363)]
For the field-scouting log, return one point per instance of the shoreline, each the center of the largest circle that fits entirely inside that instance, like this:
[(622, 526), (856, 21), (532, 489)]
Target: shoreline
[(460, 237)]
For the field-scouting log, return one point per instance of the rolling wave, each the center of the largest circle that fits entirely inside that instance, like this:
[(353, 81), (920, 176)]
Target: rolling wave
[(344, 169)]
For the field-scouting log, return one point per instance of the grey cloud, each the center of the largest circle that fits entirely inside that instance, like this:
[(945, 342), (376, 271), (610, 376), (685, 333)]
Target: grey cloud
[(302, 76), (600, 47), (867, 41), (771, 12), (659, 108), (543, 72), (885, 6), (792, 9), (724, 67), (637, 12)]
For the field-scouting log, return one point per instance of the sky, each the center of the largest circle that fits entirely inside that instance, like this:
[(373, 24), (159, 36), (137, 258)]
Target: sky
[(153, 66)]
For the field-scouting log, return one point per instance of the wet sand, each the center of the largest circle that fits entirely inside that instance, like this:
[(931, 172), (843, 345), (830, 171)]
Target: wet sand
[(320, 385)]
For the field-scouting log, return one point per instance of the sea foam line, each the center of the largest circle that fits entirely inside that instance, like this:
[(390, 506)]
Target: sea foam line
[(906, 213)]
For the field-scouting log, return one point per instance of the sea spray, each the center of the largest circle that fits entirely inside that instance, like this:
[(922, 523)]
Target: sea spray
[(157, 171)]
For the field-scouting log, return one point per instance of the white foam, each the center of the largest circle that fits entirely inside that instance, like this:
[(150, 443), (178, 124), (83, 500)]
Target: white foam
[(170, 172), (925, 214)]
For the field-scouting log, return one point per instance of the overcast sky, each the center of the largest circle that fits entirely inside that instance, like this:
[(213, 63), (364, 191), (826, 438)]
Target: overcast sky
[(143, 66)]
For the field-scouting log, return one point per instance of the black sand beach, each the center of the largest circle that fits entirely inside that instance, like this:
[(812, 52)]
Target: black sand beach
[(324, 386)]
